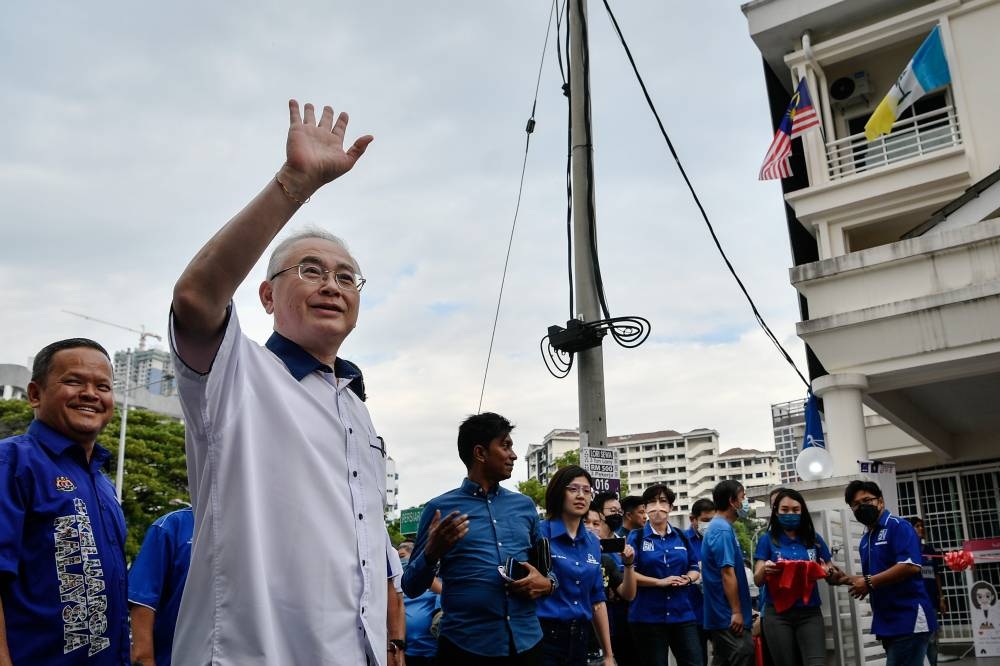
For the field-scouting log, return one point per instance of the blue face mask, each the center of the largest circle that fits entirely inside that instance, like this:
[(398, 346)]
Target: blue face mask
[(790, 521), (744, 510)]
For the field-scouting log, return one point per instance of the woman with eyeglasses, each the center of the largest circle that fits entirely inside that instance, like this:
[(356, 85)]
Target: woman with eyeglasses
[(662, 615), (795, 636), (578, 603)]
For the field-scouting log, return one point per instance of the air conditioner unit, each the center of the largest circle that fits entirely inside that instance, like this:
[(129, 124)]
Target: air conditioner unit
[(848, 91)]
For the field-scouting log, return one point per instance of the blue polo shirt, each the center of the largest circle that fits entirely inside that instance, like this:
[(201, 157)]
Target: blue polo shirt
[(697, 597), (577, 564), (156, 579), (480, 614), (790, 548), (419, 616), (659, 556), (903, 608), (722, 549), (62, 553)]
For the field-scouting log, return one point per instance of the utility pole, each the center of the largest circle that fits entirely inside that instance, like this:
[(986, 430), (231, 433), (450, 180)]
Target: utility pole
[(589, 362)]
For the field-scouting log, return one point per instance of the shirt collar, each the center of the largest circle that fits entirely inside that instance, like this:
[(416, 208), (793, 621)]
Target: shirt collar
[(649, 531), (301, 363), (470, 487), (557, 528), (59, 444)]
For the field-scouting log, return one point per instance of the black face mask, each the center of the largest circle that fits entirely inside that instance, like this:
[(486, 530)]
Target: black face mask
[(867, 514), (614, 521)]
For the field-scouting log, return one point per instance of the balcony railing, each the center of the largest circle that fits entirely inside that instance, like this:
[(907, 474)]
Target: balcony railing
[(917, 135)]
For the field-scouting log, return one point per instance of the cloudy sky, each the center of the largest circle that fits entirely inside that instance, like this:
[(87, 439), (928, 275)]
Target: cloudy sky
[(134, 130)]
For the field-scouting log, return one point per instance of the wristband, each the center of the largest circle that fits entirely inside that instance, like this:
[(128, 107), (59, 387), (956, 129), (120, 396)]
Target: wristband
[(397, 645), (868, 582)]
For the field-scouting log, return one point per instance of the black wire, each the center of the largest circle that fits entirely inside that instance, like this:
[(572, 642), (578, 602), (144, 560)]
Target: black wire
[(588, 148), (569, 173), (517, 208), (697, 201)]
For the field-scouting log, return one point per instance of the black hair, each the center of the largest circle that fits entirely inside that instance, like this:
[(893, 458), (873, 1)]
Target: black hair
[(806, 531), (774, 493), (480, 430), (916, 520), (556, 490), (701, 506), (982, 585), (631, 502), (43, 360), (855, 487), (600, 499), (725, 492), (655, 491)]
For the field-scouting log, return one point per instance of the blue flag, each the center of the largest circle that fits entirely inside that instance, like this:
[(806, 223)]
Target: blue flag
[(814, 425)]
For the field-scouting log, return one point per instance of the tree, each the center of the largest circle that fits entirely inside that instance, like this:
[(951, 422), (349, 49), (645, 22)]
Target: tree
[(395, 536), (155, 467), (534, 489)]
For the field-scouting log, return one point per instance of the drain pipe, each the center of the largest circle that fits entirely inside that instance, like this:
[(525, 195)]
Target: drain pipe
[(824, 91)]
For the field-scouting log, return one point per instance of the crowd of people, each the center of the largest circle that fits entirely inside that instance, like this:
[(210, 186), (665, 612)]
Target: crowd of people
[(284, 557)]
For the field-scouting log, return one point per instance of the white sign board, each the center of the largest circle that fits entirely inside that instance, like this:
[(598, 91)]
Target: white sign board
[(983, 611), (602, 463)]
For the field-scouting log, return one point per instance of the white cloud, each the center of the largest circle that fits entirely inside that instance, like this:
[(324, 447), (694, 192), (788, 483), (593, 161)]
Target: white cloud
[(134, 132)]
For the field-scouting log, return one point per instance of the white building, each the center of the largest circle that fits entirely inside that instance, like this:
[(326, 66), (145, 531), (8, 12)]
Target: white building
[(14, 381), (789, 422), (689, 463), (896, 245), (391, 489), (152, 369)]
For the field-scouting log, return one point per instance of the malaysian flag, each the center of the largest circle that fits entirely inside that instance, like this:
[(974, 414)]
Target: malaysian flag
[(800, 117)]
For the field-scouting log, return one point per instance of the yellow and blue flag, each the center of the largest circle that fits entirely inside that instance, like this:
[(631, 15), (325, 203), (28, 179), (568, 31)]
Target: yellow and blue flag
[(926, 71)]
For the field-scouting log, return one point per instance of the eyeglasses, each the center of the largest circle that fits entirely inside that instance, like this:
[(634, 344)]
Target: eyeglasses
[(871, 501), (315, 274), (586, 491)]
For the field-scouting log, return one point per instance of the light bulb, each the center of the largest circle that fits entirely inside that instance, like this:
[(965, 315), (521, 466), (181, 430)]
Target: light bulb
[(814, 463)]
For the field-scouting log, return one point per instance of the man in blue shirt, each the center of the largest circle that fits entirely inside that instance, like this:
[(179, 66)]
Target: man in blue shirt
[(155, 583), (702, 513), (728, 611), (902, 616), (466, 534), (62, 531)]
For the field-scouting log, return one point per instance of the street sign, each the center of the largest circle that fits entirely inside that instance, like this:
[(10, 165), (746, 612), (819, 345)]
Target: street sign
[(602, 463), (409, 519)]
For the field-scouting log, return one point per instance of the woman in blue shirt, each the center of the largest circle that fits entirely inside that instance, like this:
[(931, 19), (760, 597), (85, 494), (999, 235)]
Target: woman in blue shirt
[(662, 616), (795, 637), (567, 614)]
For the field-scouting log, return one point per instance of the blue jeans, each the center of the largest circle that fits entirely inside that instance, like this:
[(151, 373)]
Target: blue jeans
[(565, 643), (908, 650), (652, 642)]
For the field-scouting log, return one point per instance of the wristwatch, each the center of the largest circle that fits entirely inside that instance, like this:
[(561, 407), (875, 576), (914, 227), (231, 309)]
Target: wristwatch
[(397, 645)]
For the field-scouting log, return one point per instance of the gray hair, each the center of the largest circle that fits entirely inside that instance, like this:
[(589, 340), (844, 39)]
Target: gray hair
[(279, 254)]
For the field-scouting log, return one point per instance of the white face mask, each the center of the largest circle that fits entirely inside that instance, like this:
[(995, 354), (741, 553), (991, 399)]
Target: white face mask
[(703, 527)]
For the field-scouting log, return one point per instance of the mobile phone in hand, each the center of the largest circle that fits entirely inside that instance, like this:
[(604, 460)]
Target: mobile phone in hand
[(613, 545)]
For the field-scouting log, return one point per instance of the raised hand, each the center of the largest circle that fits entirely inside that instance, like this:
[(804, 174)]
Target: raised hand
[(314, 152), (443, 534)]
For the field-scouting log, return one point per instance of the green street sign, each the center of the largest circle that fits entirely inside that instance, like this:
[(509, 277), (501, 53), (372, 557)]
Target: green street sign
[(409, 519)]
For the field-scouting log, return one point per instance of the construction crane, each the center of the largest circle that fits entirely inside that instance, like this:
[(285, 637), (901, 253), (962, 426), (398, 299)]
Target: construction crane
[(126, 389), (143, 333)]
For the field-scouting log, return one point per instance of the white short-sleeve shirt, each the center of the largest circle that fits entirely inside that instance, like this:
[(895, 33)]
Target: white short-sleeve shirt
[(287, 478)]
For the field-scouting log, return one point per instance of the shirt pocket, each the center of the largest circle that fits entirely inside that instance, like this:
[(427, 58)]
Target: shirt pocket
[(377, 455)]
